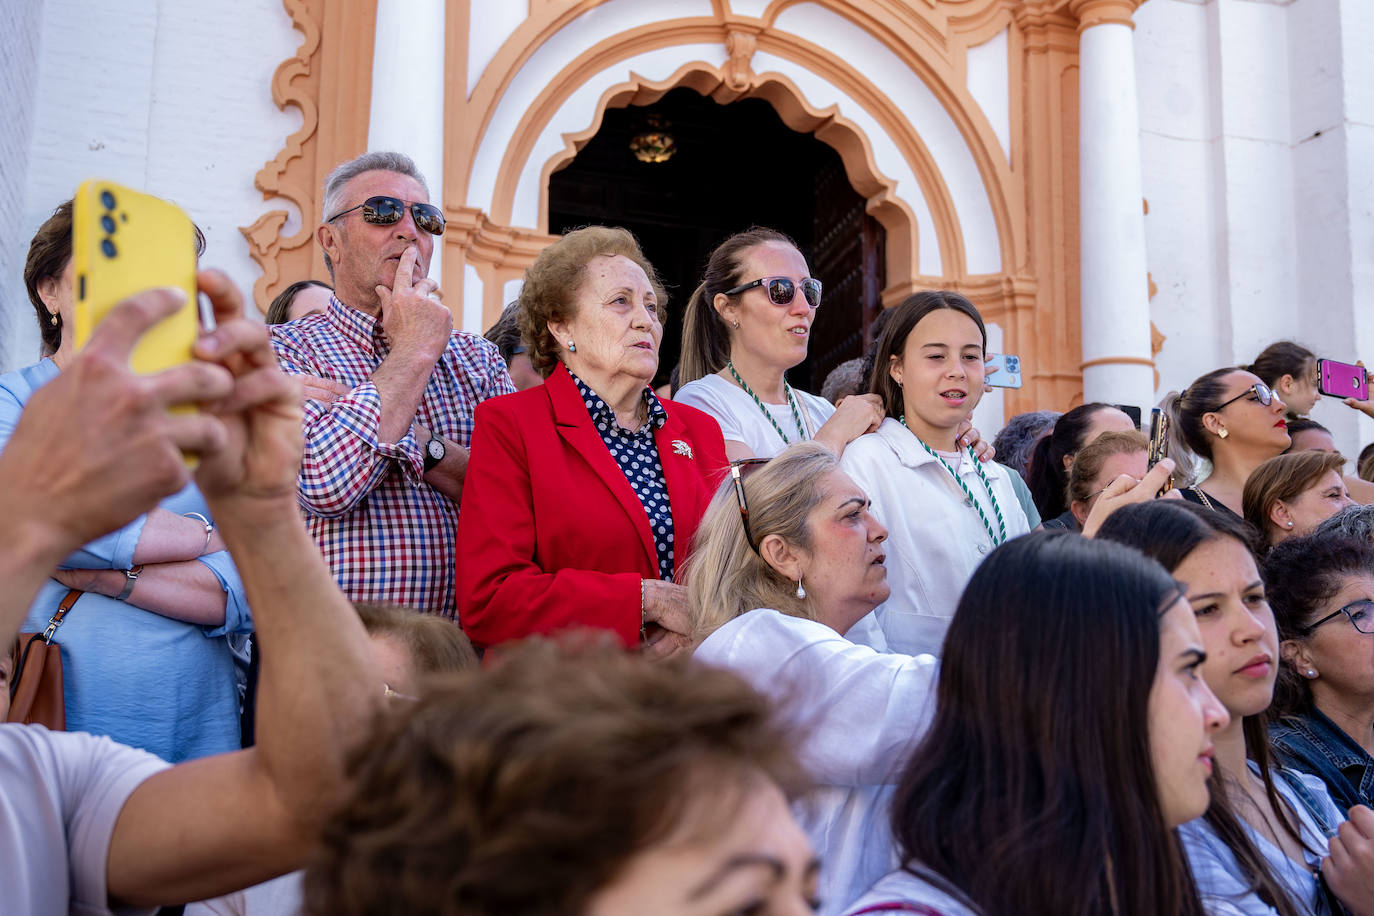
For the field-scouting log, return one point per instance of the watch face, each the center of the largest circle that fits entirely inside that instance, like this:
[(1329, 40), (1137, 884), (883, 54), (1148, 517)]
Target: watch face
[(435, 449)]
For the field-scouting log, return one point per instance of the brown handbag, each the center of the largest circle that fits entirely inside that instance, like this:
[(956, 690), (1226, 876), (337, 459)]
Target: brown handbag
[(36, 687)]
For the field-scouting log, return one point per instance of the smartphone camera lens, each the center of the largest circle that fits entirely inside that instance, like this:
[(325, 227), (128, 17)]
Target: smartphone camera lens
[(107, 199), (1013, 364), (107, 223), (108, 247)]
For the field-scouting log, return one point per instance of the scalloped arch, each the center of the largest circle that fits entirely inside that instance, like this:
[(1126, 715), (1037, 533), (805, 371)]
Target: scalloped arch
[(826, 124)]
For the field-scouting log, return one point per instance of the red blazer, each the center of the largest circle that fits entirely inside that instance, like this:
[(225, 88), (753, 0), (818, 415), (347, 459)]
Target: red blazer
[(550, 533)]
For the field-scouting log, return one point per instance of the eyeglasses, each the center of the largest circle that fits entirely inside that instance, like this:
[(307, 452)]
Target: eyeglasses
[(1361, 614), (737, 475), (387, 211), (781, 290), (1260, 390)]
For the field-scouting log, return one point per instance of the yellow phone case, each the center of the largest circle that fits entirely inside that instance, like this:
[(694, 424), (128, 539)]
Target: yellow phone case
[(124, 242)]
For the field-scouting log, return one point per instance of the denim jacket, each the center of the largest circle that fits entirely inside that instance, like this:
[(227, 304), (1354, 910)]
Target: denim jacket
[(1314, 744)]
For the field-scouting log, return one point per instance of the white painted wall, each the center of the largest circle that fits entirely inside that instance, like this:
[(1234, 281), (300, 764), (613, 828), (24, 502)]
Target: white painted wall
[(1257, 141), (170, 98), (21, 24)]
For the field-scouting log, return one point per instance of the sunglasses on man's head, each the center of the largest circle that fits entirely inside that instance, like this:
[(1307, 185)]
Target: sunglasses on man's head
[(781, 290), (387, 211)]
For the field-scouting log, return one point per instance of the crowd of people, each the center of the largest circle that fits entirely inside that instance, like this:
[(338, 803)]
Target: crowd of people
[(449, 624)]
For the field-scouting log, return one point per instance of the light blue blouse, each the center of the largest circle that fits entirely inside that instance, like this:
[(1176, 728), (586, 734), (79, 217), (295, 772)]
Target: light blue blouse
[(148, 681), (1217, 873)]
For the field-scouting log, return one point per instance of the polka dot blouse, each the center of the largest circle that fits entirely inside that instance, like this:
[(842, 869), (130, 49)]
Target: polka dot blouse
[(637, 455)]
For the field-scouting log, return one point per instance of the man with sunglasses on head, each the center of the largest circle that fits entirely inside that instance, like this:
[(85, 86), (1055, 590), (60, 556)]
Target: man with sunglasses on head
[(391, 388)]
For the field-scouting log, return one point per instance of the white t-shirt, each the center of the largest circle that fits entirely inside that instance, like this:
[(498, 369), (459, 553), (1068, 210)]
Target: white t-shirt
[(861, 711), (284, 896), (936, 537), (903, 887), (741, 420), (60, 794)]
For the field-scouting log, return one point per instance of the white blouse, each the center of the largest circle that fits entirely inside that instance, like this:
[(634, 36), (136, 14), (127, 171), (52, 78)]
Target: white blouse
[(936, 537), (861, 712), (741, 420)]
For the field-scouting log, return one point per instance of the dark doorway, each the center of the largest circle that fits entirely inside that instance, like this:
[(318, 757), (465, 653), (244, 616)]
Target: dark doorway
[(736, 165)]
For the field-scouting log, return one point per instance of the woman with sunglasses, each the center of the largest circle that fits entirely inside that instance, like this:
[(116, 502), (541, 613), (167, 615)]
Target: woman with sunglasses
[(1268, 837), (788, 559), (1233, 420), (947, 510), (146, 645), (746, 324), (1072, 732), (583, 493), (1322, 592)]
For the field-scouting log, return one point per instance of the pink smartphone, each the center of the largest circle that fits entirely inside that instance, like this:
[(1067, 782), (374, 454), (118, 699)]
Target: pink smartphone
[(1342, 380)]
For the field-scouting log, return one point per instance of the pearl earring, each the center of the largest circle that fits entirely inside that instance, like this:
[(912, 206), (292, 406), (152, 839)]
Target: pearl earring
[(801, 592), (572, 347), (1310, 672), (1290, 524), (1223, 434)]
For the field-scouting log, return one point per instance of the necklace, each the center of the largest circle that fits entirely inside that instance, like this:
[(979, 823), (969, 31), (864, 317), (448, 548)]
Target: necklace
[(791, 400), (978, 469)]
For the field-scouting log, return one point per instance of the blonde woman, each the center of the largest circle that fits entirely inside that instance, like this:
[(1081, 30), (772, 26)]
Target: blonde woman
[(788, 558)]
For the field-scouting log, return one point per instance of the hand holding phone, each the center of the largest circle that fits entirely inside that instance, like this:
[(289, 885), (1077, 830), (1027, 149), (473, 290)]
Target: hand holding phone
[(1003, 370), (124, 242), (1159, 445), (1342, 380)]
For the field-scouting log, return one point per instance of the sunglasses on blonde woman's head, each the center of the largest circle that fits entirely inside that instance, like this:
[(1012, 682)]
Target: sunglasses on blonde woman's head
[(1261, 391), (782, 290), (737, 469), (388, 211)]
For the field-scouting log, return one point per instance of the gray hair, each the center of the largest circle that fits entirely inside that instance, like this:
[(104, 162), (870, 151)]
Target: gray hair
[(1352, 521), (345, 172), (1016, 439)]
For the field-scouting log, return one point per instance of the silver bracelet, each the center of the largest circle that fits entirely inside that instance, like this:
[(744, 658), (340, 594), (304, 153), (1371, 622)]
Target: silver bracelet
[(130, 577), (209, 529)]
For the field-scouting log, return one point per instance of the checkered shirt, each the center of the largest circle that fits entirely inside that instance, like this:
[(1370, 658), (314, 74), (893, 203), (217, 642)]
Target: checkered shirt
[(386, 534)]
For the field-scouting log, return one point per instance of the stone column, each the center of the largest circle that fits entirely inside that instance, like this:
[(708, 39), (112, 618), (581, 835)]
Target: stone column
[(1118, 366), (407, 111)]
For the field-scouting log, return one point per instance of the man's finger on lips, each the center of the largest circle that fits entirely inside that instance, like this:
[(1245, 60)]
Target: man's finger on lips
[(405, 269)]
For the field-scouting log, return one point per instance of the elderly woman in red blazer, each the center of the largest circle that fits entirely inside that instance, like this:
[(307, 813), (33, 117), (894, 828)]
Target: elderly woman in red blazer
[(582, 495)]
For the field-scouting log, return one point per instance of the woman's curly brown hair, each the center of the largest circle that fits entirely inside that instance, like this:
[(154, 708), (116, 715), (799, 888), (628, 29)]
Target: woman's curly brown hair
[(554, 279), (530, 785)]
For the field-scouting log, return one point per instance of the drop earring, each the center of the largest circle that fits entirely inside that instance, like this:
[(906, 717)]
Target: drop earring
[(572, 347), (52, 319), (801, 592)]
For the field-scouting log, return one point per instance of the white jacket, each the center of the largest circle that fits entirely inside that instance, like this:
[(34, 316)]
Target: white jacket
[(936, 538), (861, 713)]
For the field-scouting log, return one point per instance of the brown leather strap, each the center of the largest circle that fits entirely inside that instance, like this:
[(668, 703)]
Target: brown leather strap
[(60, 614)]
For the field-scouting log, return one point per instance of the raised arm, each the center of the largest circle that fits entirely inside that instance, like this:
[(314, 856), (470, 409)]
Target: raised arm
[(220, 823), (95, 448)]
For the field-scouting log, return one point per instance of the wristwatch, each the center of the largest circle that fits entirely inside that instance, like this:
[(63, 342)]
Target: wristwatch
[(434, 452)]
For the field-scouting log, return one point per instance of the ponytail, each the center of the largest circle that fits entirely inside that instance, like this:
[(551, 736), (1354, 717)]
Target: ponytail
[(705, 339)]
